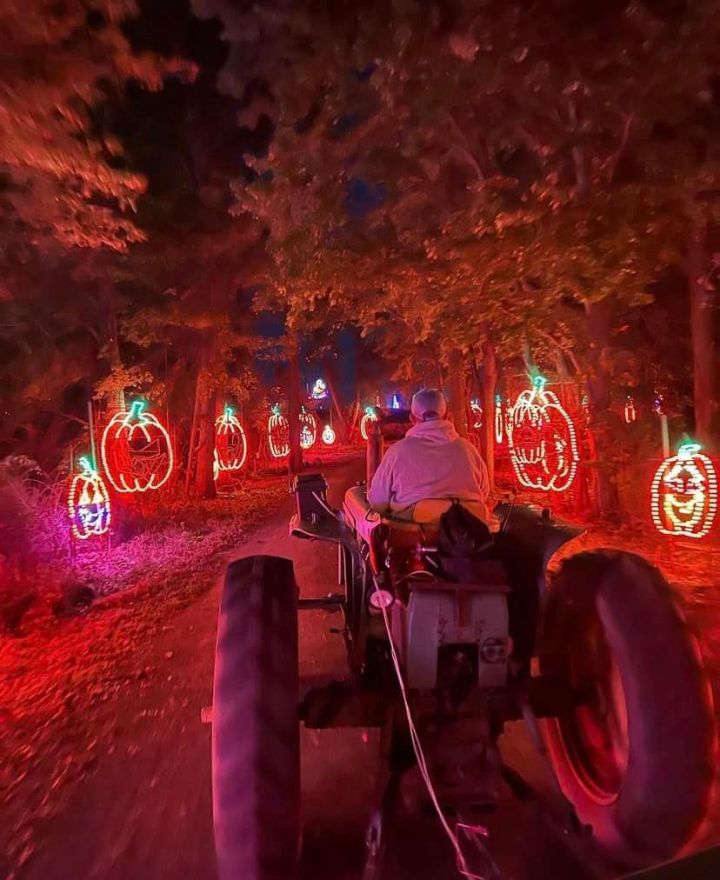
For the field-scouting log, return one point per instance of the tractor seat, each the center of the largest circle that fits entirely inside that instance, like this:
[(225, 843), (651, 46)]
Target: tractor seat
[(417, 524)]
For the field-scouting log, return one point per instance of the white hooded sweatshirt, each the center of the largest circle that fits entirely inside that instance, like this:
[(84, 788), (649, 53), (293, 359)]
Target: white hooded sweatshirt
[(431, 462)]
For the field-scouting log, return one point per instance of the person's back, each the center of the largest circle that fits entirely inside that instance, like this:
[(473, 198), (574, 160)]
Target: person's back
[(431, 462)]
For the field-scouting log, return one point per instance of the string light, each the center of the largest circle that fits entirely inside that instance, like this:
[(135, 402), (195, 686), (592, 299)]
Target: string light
[(658, 404), (684, 494), (542, 440), (395, 402), (369, 416), (328, 435), (499, 425), (477, 412), (230, 443), (88, 503), (136, 450), (278, 424), (630, 413)]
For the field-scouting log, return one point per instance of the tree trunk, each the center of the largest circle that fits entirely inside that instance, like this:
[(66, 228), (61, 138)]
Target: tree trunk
[(335, 402), (107, 294), (703, 301), (204, 477), (295, 460), (601, 418), (458, 392), (490, 376)]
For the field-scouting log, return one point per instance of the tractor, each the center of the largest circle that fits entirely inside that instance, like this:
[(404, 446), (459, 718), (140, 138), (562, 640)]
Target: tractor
[(445, 646)]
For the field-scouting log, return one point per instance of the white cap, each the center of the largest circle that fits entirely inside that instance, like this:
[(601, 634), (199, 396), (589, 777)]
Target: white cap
[(429, 403)]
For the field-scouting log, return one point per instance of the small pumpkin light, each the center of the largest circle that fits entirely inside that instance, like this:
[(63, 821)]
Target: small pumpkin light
[(278, 433), (308, 429), (684, 494), (88, 503), (230, 443)]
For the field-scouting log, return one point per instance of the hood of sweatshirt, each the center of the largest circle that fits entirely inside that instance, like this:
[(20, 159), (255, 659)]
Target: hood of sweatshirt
[(434, 431)]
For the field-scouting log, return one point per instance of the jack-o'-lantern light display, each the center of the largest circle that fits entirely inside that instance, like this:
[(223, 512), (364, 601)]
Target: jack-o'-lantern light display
[(328, 435), (88, 503), (477, 414), (542, 440), (684, 494), (230, 444), (308, 429), (368, 417), (499, 419), (630, 412), (278, 433), (136, 450)]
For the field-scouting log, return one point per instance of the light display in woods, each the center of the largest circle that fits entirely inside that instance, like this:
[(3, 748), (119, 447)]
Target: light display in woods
[(684, 494), (368, 417), (136, 450), (328, 435), (542, 440), (308, 429), (278, 433), (88, 503), (230, 444), (630, 412), (499, 419), (319, 390), (477, 414)]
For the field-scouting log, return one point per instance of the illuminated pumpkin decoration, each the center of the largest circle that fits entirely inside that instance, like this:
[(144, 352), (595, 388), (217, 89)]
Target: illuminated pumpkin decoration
[(136, 451), (319, 390), (88, 503), (230, 444), (308, 429), (328, 435), (542, 441), (278, 433), (477, 414), (630, 413), (684, 494), (368, 417), (499, 421)]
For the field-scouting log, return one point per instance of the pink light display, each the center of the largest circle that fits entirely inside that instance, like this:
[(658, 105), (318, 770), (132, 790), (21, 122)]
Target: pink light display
[(477, 413), (499, 420), (542, 440), (88, 503), (136, 451)]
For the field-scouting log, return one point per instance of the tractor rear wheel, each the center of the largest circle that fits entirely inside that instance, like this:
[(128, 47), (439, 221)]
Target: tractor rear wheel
[(636, 757), (255, 741)]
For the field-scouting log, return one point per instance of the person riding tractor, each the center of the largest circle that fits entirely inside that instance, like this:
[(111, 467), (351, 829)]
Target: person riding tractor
[(429, 467)]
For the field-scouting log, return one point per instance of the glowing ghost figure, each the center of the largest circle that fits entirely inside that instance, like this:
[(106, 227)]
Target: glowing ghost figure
[(541, 436), (684, 494), (319, 390)]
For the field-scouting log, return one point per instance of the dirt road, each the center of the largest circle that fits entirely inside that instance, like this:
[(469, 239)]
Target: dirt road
[(145, 813)]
